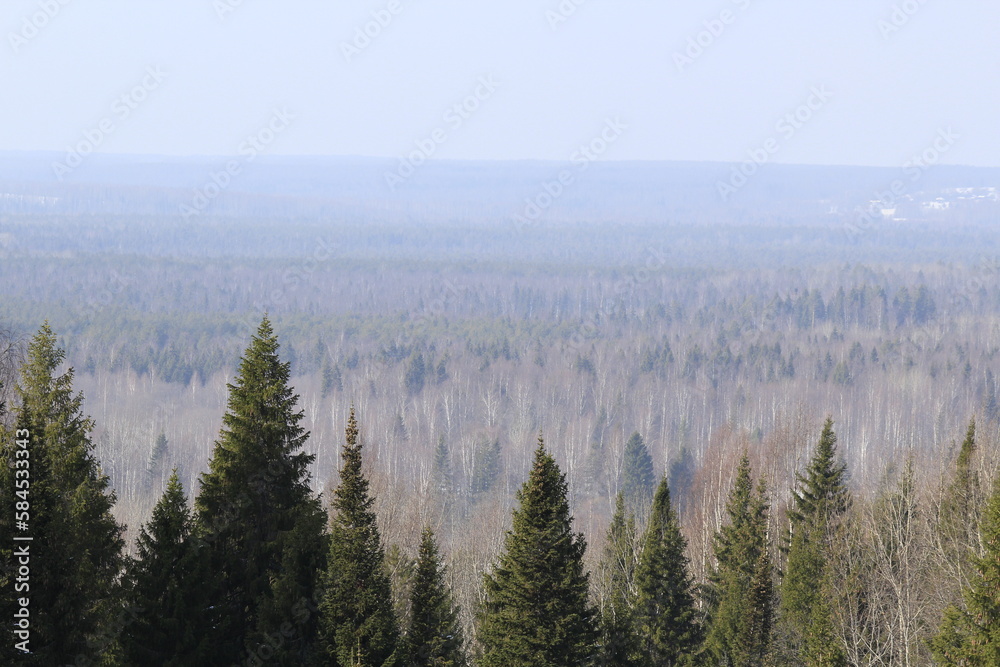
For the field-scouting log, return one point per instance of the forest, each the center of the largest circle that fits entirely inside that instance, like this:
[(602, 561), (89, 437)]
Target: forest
[(646, 429), (261, 572)]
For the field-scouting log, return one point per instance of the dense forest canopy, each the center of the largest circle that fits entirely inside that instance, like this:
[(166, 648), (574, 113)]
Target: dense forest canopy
[(648, 331)]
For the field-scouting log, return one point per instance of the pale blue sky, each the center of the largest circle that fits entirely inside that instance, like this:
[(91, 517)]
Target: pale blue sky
[(891, 92)]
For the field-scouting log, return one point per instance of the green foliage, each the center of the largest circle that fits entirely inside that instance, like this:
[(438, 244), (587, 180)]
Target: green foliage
[(168, 589), (819, 501), (535, 610), (257, 513), (442, 475), (970, 633), (76, 551), (740, 591), (357, 623), (435, 635), (154, 464), (638, 478), (666, 618), (619, 642), (415, 374), (959, 516), (486, 468)]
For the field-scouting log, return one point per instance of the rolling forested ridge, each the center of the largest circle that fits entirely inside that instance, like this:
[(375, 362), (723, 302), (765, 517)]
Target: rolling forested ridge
[(640, 428)]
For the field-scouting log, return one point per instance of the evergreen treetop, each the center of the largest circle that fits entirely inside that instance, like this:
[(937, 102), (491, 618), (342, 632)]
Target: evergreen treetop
[(357, 623), (619, 642), (665, 607), (740, 594), (970, 633), (255, 504), (76, 547), (822, 492), (536, 610), (435, 635)]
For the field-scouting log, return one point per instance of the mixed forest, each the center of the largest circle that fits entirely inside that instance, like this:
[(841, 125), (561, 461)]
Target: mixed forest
[(645, 429)]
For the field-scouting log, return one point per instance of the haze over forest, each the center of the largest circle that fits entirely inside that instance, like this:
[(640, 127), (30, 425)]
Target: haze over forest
[(510, 335)]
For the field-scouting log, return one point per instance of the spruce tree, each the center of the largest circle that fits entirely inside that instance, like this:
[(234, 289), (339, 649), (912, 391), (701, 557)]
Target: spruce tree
[(357, 623), (669, 633), (167, 589), (258, 515), (619, 642), (638, 478), (740, 593), (958, 519), (435, 636), (75, 553), (535, 610), (818, 503), (970, 632)]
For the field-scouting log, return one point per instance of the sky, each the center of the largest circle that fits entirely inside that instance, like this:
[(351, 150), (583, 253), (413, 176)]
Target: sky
[(852, 82)]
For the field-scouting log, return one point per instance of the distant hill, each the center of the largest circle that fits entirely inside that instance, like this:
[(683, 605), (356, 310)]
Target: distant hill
[(478, 192)]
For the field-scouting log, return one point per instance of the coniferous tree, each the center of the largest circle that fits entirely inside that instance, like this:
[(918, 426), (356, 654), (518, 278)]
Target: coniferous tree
[(741, 591), (76, 549), (357, 623), (415, 374), (535, 610), (154, 463), (638, 478), (435, 635), (442, 475), (958, 520), (818, 503), (669, 633), (168, 586), (619, 642), (970, 632), (487, 467), (259, 517)]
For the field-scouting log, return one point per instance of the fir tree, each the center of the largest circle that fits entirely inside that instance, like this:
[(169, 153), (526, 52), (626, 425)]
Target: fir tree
[(958, 520), (154, 463), (442, 475), (435, 636), (167, 589), (619, 642), (357, 623), (666, 617), (76, 548), (415, 374), (740, 592), (818, 503), (258, 515), (535, 610), (970, 633), (638, 478), (487, 467)]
